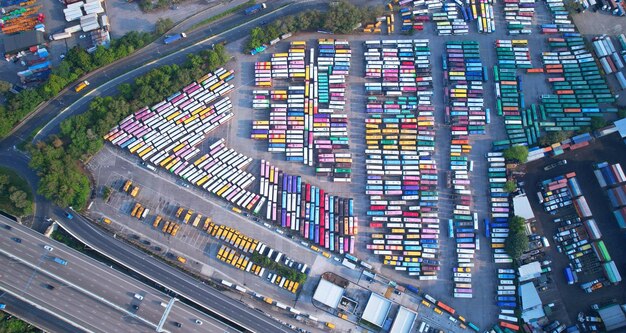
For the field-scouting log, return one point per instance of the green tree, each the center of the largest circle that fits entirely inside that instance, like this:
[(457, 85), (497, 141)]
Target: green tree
[(342, 18), (517, 153), (510, 186), (516, 244), (163, 25), (554, 137), (517, 224), (5, 86), (4, 181), (598, 123), (621, 113), (19, 199)]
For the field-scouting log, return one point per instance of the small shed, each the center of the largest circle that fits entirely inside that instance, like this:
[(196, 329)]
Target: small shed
[(529, 271)]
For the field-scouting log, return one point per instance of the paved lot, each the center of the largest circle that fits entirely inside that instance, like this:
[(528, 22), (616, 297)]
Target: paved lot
[(481, 309), (570, 298)]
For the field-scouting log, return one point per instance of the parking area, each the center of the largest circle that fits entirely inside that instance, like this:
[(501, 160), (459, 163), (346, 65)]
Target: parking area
[(572, 299)]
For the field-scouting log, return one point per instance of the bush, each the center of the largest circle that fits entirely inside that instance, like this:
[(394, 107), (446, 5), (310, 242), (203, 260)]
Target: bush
[(517, 153), (510, 186), (163, 25), (554, 137), (16, 197)]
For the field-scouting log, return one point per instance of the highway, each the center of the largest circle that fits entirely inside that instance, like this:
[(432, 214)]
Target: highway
[(167, 276), (35, 316), (86, 294)]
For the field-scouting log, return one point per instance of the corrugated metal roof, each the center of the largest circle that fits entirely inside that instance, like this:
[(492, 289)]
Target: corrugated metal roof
[(521, 206), (621, 127), (613, 317), (376, 310), (404, 321), (529, 271), (328, 293), (23, 40)]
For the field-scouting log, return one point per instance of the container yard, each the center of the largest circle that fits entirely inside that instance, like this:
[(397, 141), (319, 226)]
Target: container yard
[(307, 120)]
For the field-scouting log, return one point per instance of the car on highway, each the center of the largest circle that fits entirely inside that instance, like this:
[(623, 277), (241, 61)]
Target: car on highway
[(15, 239), (198, 322), (139, 297), (6, 226), (49, 286), (2, 306), (135, 307), (69, 215), (554, 165), (48, 247), (177, 324)]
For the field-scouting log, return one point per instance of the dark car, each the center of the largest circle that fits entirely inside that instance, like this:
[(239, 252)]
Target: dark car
[(8, 227), (17, 240), (49, 286), (135, 307), (177, 324)]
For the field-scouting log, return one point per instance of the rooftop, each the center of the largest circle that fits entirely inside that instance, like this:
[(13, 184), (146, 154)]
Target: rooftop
[(328, 293), (376, 310), (404, 321)]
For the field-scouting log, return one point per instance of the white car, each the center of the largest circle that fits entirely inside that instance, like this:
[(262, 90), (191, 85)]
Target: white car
[(198, 321), (48, 247), (139, 297)]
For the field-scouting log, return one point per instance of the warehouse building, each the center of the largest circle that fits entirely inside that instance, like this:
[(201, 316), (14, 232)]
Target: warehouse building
[(532, 309), (376, 310), (328, 293), (613, 317), (404, 321)]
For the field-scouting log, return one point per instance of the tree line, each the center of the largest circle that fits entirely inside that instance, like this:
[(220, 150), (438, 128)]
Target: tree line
[(15, 195), (341, 18), (60, 159), (77, 62)]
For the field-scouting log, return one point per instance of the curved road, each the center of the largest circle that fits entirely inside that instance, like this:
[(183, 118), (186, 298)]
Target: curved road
[(167, 276)]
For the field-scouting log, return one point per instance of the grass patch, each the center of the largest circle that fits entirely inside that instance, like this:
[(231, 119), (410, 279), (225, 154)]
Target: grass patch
[(10, 201), (222, 14), (62, 236), (12, 324)]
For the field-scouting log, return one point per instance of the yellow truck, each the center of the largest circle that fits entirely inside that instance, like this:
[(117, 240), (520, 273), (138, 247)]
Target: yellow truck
[(236, 210), (127, 185), (207, 223), (175, 230), (330, 325), (81, 86), (188, 216), (106, 220), (135, 209), (170, 228), (135, 191), (197, 220), (181, 259), (179, 211), (157, 220), (165, 226)]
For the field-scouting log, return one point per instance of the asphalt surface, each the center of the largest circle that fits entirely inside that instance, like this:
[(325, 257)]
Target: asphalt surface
[(169, 277), (34, 315), (87, 294)]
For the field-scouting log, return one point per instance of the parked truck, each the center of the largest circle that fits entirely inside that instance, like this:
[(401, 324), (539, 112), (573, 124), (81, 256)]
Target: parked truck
[(253, 9), (172, 38), (81, 86)]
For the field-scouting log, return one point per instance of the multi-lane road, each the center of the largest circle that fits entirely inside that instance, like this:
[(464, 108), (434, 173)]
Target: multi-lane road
[(85, 294), (169, 277)]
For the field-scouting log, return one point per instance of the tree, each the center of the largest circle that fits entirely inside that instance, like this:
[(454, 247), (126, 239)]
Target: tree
[(517, 224), (510, 186), (597, 123), (163, 25), (621, 113), (5, 86), (20, 199), (517, 153), (516, 244), (554, 137), (4, 181)]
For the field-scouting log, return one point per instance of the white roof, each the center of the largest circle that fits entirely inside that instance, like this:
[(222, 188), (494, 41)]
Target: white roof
[(531, 303), (404, 321), (521, 207), (376, 310), (328, 293), (529, 271), (621, 127)]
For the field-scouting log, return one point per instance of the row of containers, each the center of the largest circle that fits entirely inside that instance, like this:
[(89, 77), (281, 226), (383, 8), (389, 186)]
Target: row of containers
[(611, 178), (521, 123), (400, 166), (463, 76), (307, 210), (580, 93), (609, 58), (578, 236), (168, 133), (496, 231), (449, 19), (561, 23), (518, 15), (306, 119)]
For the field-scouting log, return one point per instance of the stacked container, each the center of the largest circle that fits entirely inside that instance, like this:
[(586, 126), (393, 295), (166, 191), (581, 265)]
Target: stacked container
[(401, 170), (324, 219), (518, 15), (611, 178)]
